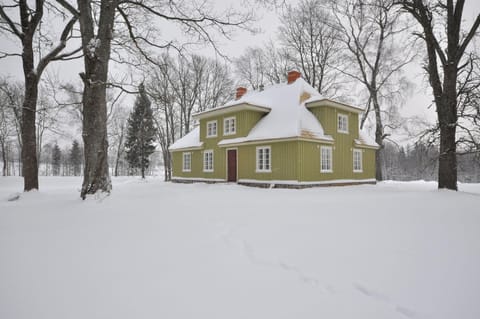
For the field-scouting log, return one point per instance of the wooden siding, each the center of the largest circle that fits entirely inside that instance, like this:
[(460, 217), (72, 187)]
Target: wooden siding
[(309, 160), (245, 121), (283, 161)]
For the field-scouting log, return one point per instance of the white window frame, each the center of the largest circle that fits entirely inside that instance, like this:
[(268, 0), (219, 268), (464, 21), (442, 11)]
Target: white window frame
[(210, 126), (342, 118), (187, 168), (226, 122), (260, 166), (329, 159), (357, 169), (208, 162)]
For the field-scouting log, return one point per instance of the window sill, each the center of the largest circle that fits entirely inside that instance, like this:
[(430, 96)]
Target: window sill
[(330, 171), (263, 171), (358, 171), (342, 132)]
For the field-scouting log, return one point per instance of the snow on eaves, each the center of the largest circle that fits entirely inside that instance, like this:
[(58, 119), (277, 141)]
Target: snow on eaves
[(366, 140), (191, 140)]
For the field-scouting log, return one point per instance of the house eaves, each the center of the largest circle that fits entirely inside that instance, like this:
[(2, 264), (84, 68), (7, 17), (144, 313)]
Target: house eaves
[(311, 103), (231, 108)]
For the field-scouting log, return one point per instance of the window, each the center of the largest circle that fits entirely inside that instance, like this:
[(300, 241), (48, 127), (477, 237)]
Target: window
[(229, 126), (326, 159), (357, 161), (187, 162), (208, 161), (342, 123), (212, 129), (264, 160)]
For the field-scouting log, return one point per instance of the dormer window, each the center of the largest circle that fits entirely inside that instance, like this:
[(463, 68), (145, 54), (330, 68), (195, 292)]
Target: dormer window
[(342, 123), (212, 129), (229, 126)]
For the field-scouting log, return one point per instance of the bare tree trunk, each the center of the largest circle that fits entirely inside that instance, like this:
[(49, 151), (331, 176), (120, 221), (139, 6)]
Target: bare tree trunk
[(96, 49), (379, 137), (119, 152), (4, 159), (29, 140), (447, 118)]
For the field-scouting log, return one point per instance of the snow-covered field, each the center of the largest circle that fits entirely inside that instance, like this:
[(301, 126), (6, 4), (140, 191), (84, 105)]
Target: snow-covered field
[(162, 250)]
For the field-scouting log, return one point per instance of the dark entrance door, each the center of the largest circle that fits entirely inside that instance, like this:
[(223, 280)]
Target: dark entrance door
[(232, 165)]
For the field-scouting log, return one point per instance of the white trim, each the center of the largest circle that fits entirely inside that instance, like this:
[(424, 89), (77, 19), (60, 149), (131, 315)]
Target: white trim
[(216, 128), (330, 170), (361, 160), (234, 118), (226, 161), (213, 166), (296, 182), (231, 108), (242, 141), (183, 162), (335, 104), (265, 147), (360, 144), (199, 179), (186, 148), (344, 116)]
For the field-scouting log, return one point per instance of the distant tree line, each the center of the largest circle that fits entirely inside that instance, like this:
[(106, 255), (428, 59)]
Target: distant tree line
[(419, 161)]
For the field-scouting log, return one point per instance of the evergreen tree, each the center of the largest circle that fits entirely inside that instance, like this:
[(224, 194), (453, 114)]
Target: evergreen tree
[(75, 158), (140, 133), (56, 160)]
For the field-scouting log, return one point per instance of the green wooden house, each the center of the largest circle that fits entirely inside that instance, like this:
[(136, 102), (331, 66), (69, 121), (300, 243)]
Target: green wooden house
[(286, 135)]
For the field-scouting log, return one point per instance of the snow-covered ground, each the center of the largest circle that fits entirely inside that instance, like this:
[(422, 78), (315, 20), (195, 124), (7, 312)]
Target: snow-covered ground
[(162, 250)]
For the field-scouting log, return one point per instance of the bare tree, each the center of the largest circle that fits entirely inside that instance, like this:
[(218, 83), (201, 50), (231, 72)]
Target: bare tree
[(12, 100), (26, 30), (373, 35), (7, 127), (179, 87), (443, 68), (97, 22), (307, 33)]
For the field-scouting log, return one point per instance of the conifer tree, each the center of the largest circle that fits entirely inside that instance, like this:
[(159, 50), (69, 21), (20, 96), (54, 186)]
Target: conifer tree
[(140, 133), (75, 158), (56, 160)]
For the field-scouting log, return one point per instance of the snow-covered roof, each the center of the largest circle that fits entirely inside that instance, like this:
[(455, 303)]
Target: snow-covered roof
[(288, 116), (364, 139), (318, 100), (191, 140)]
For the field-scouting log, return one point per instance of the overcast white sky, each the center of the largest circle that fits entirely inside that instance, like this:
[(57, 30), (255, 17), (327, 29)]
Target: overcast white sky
[(268, 22)]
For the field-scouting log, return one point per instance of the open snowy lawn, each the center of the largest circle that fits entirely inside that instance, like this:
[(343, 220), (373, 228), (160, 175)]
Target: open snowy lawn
[(162, 250)]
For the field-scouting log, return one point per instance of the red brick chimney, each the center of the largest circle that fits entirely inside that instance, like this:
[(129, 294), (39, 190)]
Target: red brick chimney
[(240, 92), (293, 76)]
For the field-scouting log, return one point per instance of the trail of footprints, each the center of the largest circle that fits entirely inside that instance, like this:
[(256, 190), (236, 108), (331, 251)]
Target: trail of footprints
[(227, 235)]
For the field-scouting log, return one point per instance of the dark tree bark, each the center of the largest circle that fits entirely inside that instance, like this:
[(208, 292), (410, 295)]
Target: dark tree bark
[(444, 91), (96, 50), (29, 21)]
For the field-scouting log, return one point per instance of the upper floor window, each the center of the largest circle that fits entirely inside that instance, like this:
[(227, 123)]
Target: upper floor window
[(326, 165), (212, 129), (187, 162), (357, 161), (264, 159), (229, 126), (208, 161), (342, 123)]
